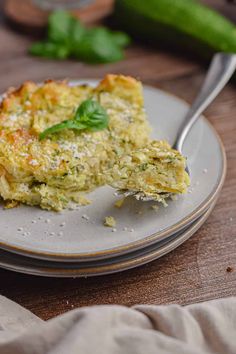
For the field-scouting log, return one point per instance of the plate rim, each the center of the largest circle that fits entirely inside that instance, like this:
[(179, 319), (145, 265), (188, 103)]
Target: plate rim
[(148, 240), (119, 266)]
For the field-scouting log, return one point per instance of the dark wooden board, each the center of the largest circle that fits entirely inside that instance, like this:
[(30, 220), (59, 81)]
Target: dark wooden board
[(194, 272)]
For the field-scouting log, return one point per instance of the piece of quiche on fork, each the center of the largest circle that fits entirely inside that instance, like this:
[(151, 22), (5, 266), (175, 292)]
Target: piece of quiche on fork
[(153, 172), (81, 152)]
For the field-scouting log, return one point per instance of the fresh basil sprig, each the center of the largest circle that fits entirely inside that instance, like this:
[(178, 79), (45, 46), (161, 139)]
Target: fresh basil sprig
[(90, 115), (68, 37)]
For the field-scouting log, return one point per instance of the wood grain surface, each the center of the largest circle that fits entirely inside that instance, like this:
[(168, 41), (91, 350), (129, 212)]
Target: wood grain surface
[(202, 268)]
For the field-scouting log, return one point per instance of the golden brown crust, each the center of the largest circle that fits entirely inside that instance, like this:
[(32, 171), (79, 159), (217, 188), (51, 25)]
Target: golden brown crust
[(53, 172), (124, 86)]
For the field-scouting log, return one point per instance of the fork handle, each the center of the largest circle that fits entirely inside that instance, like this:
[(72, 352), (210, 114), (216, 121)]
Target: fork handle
[(220, 71)]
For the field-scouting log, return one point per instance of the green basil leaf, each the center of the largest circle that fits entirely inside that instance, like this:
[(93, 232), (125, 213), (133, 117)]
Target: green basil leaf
[(64, 28), (121, 38), (68, 37), (89, 115), (49, 50), (67, 124), (97, 46), (77, 32), (59, 26), (92, 114)]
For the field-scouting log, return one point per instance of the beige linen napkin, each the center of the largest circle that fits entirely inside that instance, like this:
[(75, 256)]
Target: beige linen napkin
[(208, 327)]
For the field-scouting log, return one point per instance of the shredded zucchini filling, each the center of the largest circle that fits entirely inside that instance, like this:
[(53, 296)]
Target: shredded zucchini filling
[(156, 170), (59, 169)]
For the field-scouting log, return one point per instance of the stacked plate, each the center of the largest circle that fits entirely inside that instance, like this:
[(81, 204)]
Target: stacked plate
[(75, 243)]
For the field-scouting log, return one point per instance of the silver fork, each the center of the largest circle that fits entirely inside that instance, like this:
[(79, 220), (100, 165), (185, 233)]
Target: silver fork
[(220, 71)]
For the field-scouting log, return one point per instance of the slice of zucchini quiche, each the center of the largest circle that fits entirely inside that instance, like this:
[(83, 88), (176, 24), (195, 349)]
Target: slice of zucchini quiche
[(154, 172), (55, 171)]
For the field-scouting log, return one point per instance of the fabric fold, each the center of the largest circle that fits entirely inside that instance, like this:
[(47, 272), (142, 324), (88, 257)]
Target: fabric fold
[(208, 327)]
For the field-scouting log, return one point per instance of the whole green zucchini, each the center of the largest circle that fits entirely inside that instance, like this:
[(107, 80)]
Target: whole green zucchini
[(185, 23)]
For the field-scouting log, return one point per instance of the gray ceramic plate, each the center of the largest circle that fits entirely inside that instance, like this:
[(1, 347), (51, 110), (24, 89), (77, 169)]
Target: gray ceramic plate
[(138, 225), (134, 259)]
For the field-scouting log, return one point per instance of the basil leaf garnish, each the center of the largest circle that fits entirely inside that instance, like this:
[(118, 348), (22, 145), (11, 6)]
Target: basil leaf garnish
[(90, 115)]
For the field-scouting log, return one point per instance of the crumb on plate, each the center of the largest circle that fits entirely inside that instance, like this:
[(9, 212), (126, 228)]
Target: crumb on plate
[(155, 207), (109, 221), (82, 200), (119, 203)]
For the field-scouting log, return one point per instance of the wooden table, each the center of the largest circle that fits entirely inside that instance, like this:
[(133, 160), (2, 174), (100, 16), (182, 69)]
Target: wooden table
[(196, 271)]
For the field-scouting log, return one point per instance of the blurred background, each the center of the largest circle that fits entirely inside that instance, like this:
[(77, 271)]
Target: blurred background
[(25, 22)]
